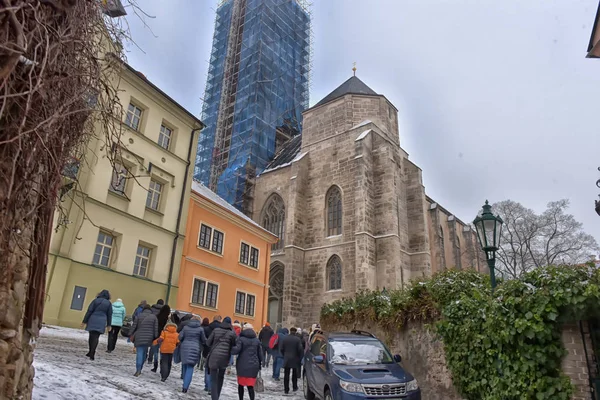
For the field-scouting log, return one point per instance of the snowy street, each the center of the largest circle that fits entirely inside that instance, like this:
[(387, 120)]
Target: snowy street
[(62, 371)]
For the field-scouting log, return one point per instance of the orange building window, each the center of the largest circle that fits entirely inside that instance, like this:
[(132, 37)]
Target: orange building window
[(205, 293)]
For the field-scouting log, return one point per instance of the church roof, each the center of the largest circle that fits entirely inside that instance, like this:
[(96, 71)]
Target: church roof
[(287, 154), (351, 86)]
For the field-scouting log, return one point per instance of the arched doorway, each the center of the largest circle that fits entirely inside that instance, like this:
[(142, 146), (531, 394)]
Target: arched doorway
[(275, 311)]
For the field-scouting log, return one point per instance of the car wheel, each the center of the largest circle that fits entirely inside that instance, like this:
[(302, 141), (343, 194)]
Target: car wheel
[(308, 394), (328, 395)]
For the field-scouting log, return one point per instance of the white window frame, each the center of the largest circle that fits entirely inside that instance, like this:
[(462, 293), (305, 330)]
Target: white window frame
[(154, 195), (130, 116), (205, 294), (163, 137), (104, 246), (247, 262), (121, 173), (138, 265), (245, 305), (211, 239)]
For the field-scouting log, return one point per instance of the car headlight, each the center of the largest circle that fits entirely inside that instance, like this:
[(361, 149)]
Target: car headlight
[(412, 385), (351, 386)]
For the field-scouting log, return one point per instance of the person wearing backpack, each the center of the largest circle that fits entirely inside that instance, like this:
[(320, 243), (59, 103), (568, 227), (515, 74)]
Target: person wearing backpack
[(249, 360), (275, 344), (265, 337)]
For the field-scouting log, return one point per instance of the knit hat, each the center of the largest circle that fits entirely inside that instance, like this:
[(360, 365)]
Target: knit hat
[(248, 326), (267, 324), (227, 320)]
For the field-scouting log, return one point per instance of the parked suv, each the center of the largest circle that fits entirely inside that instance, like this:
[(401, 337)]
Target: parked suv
[(355, 365)]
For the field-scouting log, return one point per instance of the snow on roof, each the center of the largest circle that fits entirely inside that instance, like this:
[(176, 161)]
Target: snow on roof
[(363, 123), (363, 135), (298, 157), (208, 194)]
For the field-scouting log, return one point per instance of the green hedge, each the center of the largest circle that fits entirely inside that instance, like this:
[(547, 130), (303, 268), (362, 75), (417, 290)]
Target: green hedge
[(498, 347)]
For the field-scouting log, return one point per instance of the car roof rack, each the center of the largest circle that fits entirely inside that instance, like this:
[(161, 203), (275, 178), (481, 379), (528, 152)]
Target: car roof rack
[(363, 333)]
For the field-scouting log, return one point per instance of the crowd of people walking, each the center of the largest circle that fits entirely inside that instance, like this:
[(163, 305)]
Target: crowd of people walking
[(162, 337)]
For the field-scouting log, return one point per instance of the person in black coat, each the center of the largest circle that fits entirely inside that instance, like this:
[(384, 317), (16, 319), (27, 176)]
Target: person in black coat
[(157, 311), (249, 360), (265, 337), (292, 352), (221, 342), (203, 366), (214, 325), (97, 318)]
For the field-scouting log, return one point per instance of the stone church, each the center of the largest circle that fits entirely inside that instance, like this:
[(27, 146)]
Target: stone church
[(350, 209)]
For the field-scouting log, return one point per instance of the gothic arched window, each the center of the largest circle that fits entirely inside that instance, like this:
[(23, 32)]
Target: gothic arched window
[(273, 219), (334, 273), (334, 211)]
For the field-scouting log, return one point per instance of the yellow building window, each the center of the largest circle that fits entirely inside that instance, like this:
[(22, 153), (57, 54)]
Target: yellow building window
[(154, 192), (142, 261), (133, 117), (164, 137), (104, 246), (118, 183)]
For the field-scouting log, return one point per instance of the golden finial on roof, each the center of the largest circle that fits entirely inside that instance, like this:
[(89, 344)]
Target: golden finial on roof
[(354, 68)]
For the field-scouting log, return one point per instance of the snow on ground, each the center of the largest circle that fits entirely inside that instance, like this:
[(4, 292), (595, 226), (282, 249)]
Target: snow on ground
[(62, 371)]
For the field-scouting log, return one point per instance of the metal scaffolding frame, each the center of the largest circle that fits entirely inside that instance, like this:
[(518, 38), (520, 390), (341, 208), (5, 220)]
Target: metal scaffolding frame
[(257, 87)]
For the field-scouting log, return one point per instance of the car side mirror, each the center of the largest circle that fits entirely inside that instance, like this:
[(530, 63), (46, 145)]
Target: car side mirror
[(397, 358), (319, 359)]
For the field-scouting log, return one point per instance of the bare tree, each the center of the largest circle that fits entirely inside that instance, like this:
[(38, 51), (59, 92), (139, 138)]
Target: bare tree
[(530, 240)]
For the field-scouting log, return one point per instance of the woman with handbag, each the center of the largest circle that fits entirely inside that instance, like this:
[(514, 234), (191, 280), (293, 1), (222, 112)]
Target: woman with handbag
[(249, 360), (96, 320), (192, 340)]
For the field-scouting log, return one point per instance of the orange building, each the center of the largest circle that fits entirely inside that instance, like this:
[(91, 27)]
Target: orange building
[(226, 259)]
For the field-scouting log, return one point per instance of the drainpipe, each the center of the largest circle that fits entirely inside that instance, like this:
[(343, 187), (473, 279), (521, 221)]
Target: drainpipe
[(178, 224)]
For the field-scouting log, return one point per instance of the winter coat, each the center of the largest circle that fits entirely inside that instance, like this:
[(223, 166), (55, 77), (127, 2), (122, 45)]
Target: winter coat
[(144, 329), (282, 333), (163, 317), (305, 342), (211, 327), (250, 355), (183, 321), (221, 341), (156, 309), (168, 339), (137, 312), (207, 332), (99, 313), (192, 340), (118, 313), (292, 351), (265, 335)]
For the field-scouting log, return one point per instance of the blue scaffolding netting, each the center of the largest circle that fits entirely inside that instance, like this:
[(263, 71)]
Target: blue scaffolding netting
[(257, 86)]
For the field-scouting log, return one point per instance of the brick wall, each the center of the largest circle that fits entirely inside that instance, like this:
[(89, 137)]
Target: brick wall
[(575, 365)]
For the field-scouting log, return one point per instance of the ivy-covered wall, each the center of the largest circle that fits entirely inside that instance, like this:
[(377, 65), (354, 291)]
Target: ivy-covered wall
[(506, 345)]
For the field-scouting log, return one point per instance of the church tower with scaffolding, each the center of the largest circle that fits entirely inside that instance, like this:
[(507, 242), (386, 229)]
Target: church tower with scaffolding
[(256, 91)]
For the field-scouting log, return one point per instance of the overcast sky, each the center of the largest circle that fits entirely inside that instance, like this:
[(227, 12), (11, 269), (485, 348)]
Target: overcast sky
[(496, 98)]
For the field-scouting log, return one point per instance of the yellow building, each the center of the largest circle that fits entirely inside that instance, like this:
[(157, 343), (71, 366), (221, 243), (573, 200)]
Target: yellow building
[(123, 227)]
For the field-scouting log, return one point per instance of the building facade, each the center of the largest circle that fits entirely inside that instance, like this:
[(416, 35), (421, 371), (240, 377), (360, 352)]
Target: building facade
[(226, 259), (123, 224), (256, 91), (350, 209)]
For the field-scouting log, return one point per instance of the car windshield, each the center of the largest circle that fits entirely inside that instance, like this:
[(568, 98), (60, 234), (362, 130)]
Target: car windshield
[(359, 352)]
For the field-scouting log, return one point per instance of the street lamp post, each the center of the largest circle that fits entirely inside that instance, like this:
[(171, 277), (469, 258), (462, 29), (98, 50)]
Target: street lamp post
[(489, 228)]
